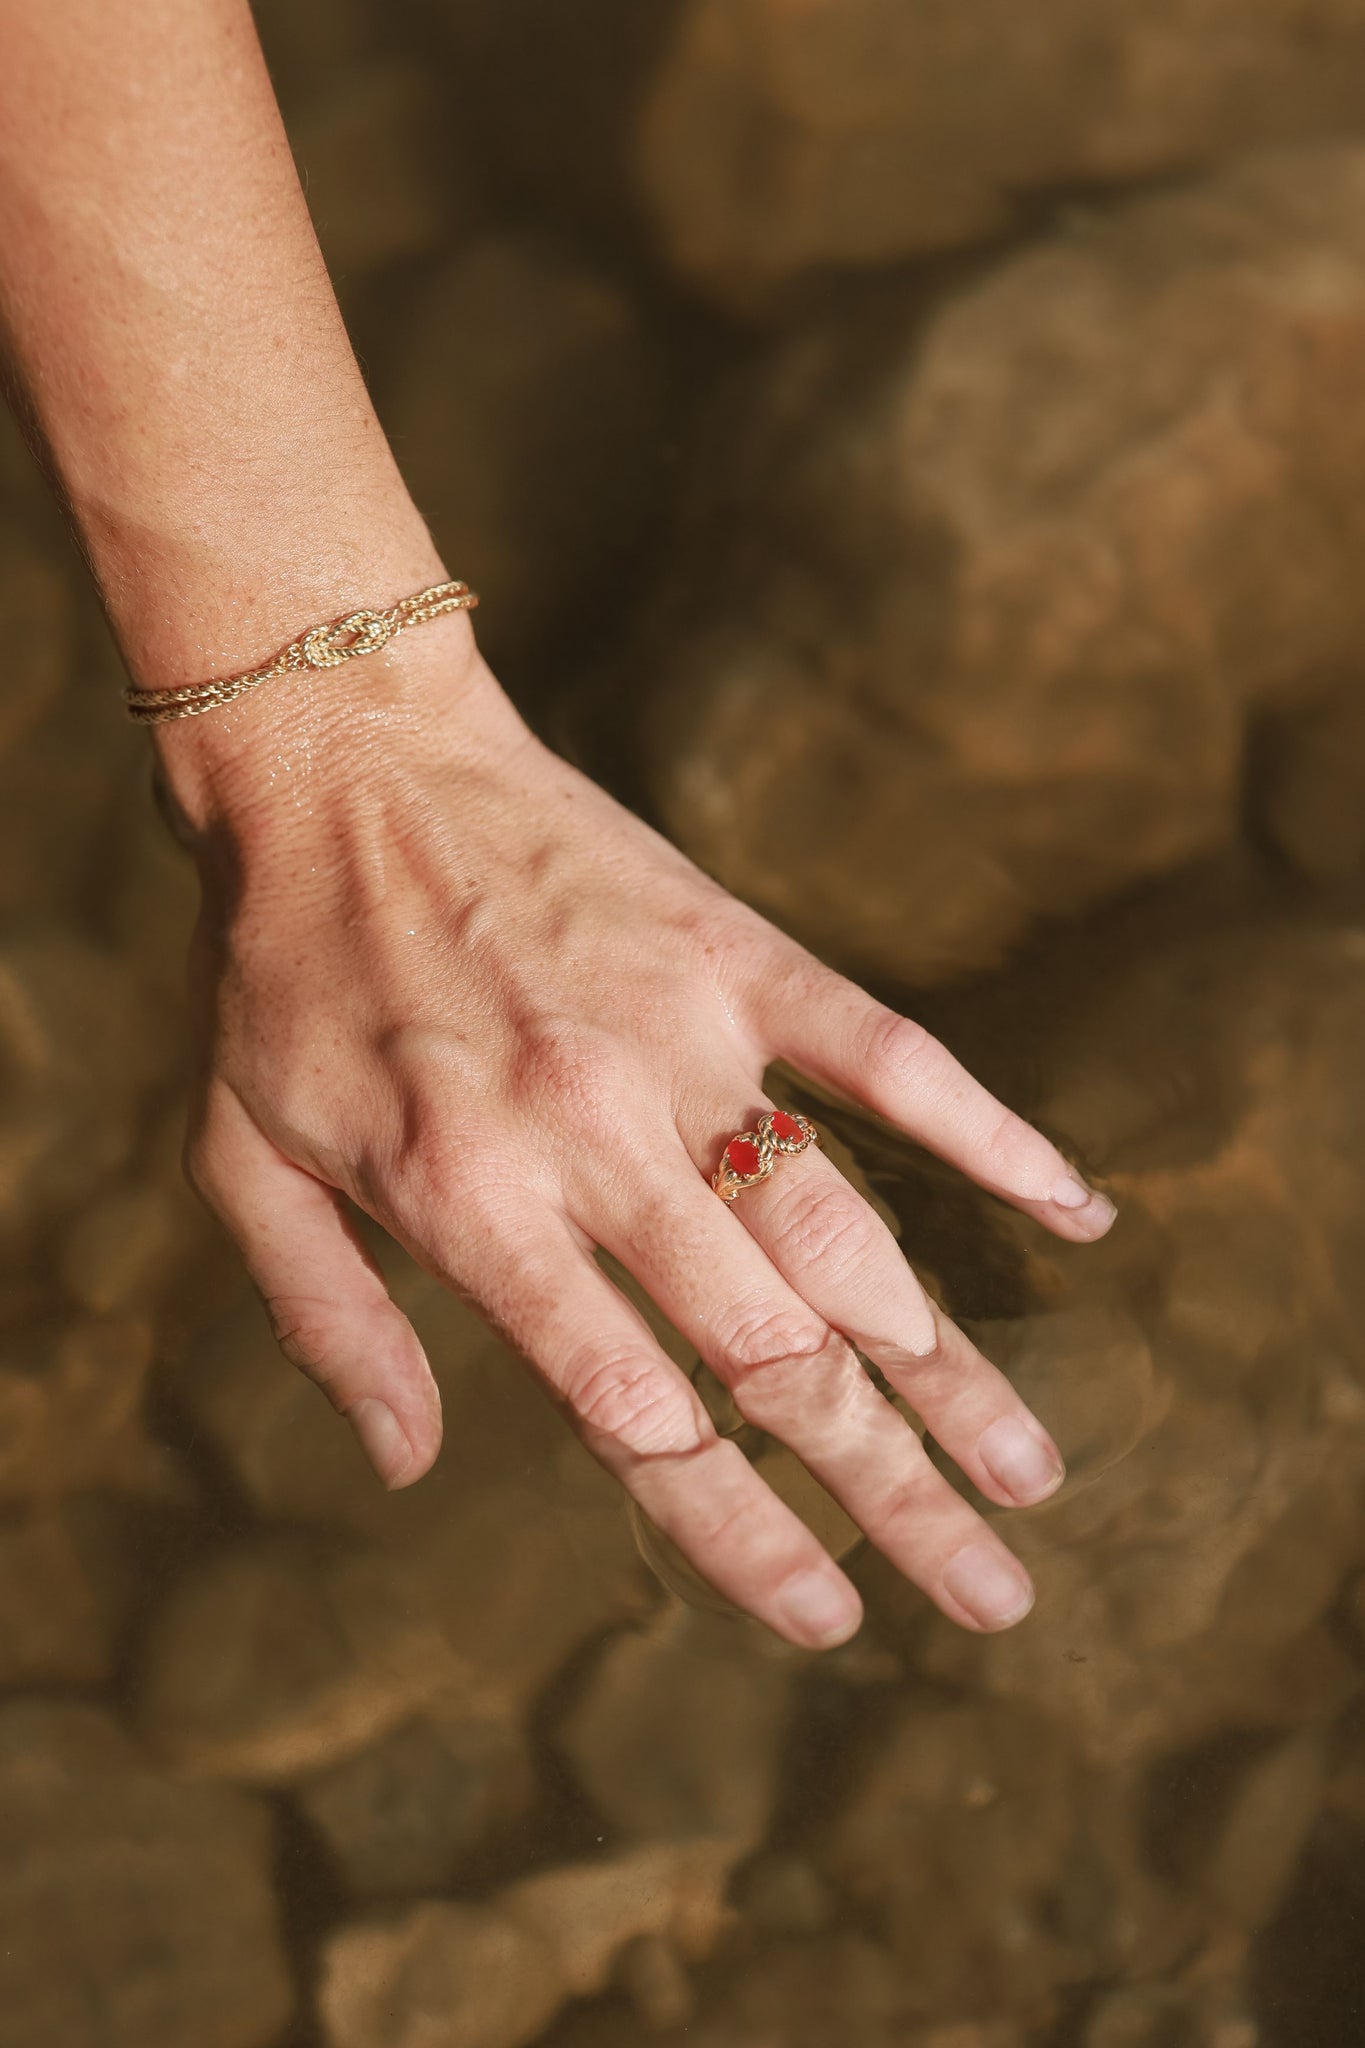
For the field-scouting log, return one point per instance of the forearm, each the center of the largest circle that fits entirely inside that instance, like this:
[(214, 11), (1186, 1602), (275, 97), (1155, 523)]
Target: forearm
[(175, 343)]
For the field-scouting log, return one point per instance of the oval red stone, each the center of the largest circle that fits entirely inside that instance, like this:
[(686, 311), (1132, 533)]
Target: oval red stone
[(744, 1156), (784, 1126)]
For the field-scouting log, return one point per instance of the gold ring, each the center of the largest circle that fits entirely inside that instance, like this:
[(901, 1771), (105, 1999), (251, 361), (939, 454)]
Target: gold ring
[(748, 1158)]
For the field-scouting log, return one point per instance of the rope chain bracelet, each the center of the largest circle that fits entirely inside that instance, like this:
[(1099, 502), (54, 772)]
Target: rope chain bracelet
[(327, 646)]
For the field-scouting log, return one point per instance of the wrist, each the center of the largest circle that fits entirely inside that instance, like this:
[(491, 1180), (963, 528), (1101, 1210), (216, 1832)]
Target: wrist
[(296, 754)]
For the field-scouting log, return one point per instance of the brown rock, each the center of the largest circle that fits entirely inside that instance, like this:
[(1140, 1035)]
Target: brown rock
[(523, 405), (277, 1656), (138, 1911), (71, 1409), (845, 1987), (678, 1732), (525, 1573), (514, 1550), (313, 46), (785, 1894), (442, 1976), (1003, 582), (67, 1585), (969, 2034), (151, 899), (1197, 1567), (80, 1054), (588, 1913), (120, 1250), (775, 142), (402, 1814), (1312, 789), (59, 789), (296, 1460), (1206, 2015), (650, 1972), (36, 604), (1087, 1372), (961, 1819), (369, 151), (1254, 1859)]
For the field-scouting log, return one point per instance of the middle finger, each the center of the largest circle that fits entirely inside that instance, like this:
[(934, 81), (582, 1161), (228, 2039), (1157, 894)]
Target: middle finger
[(840, 1257), (798, 1379)]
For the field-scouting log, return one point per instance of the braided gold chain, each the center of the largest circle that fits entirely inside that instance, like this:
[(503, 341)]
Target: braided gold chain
[(322, 647)]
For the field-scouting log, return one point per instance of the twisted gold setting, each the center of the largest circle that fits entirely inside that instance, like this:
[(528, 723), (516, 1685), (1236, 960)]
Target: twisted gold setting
[(748, 1158), (322, 647)]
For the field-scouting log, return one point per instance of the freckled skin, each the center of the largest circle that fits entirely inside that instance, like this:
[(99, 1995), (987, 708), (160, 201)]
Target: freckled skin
[(438, 973), (511, 1046)]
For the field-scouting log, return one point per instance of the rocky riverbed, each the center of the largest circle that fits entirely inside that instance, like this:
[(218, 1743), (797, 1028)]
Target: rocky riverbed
[(917, 455)]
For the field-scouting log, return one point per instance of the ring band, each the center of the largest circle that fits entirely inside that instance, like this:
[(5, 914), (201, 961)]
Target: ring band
[(748, 1158)]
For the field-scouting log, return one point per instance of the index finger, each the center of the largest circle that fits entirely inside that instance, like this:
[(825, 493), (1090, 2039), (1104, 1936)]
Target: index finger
[(829, 1028)]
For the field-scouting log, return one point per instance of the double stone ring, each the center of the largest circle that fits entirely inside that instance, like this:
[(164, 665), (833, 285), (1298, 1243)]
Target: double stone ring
[(748, 1158)]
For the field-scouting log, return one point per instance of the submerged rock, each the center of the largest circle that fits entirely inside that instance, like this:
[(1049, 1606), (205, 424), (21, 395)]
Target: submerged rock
[(120, 1249), (81, 1057), (379, 180), (36, 601), (138, 1912), (590, 1914), (493, 1975), (1196, 1564), (774, 143), (1002, 583), (71, 1410), (295, 1459), (1310, 792), (400, 1815), (68, 1583), (524, 405), (279, 1655), (953, 1837), (441, 1976), (678, 1732)]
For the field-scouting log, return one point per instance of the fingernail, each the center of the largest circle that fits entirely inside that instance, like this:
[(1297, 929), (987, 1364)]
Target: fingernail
[(381, 1438), (1026, 1464), (820, 1608), (993, 1587), (1086, 1204)]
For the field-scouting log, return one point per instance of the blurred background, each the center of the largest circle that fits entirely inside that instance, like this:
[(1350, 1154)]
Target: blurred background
[(914, 452)]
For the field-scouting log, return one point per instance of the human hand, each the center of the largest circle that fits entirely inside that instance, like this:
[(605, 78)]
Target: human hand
[(443, 976)]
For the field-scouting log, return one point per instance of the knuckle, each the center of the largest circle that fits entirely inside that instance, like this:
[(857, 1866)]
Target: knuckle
[(305, 1330), (929, 1382), (1008, 1142), (566, 1063), (889, 1043), (766, 1336), (643, 1409), (828, 1230), (738, 1529), (905, 1507)]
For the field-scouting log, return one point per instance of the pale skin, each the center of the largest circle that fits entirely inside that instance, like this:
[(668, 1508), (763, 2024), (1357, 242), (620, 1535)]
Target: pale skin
[(440, 975)]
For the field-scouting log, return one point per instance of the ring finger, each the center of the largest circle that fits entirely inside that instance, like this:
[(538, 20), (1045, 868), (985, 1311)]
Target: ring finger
[(840, 1257), (795, 1377)]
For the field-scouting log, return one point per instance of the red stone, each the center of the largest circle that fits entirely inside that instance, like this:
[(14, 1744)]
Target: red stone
[(784, 1126), (743, 1157)]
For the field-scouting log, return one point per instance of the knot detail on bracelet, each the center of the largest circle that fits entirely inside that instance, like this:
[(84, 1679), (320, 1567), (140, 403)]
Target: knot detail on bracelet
[(325, 646), (363, 631)]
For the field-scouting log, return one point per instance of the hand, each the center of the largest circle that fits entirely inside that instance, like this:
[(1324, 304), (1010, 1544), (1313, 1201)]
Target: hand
[(446, 978)]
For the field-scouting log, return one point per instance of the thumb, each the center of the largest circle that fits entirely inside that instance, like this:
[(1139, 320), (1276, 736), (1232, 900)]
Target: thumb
[(326, 1298)]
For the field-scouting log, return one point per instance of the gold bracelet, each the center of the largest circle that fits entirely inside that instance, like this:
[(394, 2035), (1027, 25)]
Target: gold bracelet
[(326, 646)]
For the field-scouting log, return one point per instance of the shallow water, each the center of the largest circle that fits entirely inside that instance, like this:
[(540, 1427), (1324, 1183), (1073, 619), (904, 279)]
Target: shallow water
[(289, 1763)]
